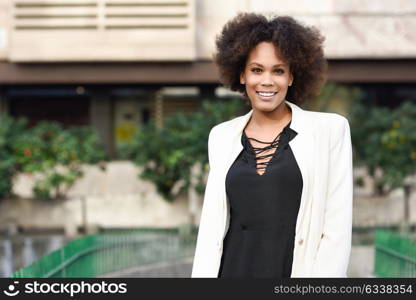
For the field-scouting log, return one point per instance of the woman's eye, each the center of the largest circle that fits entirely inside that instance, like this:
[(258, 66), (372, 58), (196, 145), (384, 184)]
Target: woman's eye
[(258, 70)]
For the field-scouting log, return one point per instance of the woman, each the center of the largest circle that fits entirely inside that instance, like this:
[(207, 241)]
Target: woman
[(278, 201)]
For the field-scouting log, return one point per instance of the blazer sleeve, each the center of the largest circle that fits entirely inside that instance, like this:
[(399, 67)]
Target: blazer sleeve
[(207, 237), (335, 245)]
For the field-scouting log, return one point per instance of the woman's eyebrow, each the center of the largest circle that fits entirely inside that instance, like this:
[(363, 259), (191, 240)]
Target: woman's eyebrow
[(277, 65)]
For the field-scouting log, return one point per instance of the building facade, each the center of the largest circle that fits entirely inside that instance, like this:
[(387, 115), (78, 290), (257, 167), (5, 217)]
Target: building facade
[(114, 64)]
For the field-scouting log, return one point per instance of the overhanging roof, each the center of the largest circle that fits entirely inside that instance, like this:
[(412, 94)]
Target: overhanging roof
[(202, 72)]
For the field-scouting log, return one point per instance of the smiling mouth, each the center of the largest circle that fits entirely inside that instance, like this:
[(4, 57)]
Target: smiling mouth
[(266, 95)]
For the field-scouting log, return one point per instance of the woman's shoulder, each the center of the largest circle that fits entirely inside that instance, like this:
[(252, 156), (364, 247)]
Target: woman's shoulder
[(331, 127), (327, 120), (328, 127), (326, 116)]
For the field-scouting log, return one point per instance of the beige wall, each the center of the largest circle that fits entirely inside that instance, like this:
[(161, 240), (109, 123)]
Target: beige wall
[(4, 28), (353, 29)]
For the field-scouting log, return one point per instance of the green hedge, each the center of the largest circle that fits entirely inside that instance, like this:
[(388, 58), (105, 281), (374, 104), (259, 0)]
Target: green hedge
[(48, 149)]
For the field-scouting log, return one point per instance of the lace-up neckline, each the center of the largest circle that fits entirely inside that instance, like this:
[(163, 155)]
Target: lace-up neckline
[(255, 153)]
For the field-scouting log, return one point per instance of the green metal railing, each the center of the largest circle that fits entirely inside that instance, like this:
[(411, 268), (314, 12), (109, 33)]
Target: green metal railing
[(99, 254), (395, 255)]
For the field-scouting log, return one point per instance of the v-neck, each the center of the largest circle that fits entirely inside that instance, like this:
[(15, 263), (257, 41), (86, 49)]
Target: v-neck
[(278, 137)]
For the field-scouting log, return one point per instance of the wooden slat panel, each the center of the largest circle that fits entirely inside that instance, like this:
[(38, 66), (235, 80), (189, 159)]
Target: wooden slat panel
[(102, 30), (147, 10), (182, 16), (55, 22), (47, 3), (50, 11), (144, 21)]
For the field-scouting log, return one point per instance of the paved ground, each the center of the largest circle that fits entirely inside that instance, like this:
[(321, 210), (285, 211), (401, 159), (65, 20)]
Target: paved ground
[(178, 269)]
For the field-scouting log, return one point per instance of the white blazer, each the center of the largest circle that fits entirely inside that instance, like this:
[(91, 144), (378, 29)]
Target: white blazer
[(323, 151)]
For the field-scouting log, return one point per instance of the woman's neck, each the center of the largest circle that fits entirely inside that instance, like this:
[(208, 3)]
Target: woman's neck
[(264, 120)]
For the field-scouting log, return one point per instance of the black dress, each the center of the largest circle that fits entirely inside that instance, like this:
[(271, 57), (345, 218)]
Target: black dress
[(263, 211)]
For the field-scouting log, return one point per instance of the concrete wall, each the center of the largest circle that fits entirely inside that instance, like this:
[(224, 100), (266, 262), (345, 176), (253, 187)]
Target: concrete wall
[(114, 198)]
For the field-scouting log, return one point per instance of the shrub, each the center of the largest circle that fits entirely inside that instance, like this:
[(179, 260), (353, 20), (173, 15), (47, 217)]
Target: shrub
[(10, 130), (385, 139), (57, 155)]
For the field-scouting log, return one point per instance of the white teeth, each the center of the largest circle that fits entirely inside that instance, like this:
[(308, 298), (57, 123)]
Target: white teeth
[(266, 94)]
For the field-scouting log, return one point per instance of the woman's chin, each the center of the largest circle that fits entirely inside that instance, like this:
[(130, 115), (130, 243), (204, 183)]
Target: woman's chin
[(266, 106)]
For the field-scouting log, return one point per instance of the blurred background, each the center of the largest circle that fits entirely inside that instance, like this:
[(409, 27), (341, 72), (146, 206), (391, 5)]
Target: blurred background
[(106, 106)]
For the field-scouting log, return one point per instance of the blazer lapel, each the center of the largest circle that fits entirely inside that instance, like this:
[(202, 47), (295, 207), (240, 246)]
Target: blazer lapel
[(301, 145)]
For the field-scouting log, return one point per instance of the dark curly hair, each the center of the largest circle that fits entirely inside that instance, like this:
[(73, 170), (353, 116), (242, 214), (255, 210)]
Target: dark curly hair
[(300, 46)]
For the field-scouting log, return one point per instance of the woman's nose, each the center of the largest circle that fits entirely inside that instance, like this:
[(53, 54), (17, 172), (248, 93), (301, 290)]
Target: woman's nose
[(266, 79)]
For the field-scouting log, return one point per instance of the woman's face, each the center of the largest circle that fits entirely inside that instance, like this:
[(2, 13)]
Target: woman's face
[(266, 77)]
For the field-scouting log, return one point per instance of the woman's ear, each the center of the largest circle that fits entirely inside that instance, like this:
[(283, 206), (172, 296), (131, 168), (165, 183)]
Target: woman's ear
[(242, 79), (290, 79)]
